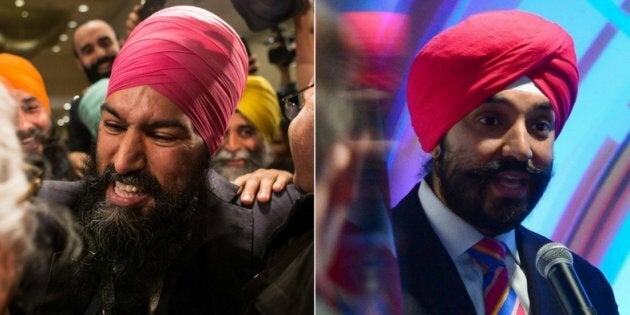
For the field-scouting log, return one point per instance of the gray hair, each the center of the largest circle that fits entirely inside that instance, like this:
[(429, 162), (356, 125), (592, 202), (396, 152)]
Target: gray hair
[(16, 226)]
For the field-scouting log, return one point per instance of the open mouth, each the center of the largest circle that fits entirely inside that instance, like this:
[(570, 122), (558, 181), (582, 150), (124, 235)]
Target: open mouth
[(126, 195), (511, 184), (29, 144), (104, 67), (234, 163)]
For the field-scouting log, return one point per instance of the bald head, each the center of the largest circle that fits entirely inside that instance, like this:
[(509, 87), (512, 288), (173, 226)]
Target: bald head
[(95, 45)]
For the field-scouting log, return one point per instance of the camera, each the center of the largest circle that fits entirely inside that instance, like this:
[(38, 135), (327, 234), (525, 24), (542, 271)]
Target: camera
[(281, 53)]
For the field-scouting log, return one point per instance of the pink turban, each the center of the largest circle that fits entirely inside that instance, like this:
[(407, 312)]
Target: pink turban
[(465, 65), (193, 58)]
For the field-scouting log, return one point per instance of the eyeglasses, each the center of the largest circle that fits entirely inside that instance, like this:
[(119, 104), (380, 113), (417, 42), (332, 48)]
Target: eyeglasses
[(291, 104)]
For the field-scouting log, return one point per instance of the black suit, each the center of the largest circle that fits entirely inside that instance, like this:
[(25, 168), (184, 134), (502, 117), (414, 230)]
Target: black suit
[(431, 283), (222, 253)]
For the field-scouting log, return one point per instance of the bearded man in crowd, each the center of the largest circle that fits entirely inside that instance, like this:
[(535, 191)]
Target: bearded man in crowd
[(40, 139), (246, 146), (161, 233)]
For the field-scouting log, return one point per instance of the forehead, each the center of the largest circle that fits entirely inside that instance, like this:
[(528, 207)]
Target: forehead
[(522, 101), (143, 104), (93, 30), (239, 119), (21, 96)]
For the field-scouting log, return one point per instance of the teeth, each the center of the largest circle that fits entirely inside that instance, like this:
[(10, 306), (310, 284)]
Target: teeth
[(126, 190), (509, 177), (511, 182)]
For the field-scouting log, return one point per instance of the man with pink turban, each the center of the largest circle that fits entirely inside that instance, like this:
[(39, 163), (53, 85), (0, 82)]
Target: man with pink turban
[(161, 232), (487, 99)]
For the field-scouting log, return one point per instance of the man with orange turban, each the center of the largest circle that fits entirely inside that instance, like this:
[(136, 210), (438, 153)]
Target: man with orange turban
[(163, 232), (246, 146), (40, 142), (487, 99)]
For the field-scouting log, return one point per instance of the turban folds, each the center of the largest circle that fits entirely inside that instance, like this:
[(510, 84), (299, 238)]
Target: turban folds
[(465, 65), (22, 75), (193, 58), (260, 106)]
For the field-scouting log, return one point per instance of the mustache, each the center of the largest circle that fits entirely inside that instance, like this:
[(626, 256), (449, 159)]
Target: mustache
[(101, 61), (92, 71), (495, 167), (141, 179), (223, 155), (492, 169), (36, 133)]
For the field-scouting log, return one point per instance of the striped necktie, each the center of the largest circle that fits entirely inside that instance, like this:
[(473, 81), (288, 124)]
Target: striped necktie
[(499, 298)]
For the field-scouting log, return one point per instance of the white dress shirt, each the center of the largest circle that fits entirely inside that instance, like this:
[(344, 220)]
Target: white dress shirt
[(458, 236)]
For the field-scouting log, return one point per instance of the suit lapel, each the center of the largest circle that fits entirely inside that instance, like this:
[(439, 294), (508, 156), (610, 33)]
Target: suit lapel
[(541, 297), (429, 277)]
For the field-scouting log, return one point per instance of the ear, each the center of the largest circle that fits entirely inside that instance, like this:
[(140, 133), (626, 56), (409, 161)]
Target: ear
[(435, 153)]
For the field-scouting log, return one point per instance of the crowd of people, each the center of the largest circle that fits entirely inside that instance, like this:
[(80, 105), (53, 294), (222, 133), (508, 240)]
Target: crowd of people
[(134, 212)]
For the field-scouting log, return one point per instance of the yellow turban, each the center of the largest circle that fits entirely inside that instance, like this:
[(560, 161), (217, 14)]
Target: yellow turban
[(259, 105), (22, 75)]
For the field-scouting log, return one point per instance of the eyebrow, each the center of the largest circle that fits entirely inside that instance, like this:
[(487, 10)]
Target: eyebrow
[(539, 106), (167, 123), (106, 107), (29, 99)]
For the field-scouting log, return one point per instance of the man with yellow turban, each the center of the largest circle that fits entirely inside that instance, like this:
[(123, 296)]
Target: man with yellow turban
[(38, 136), (246, 146)]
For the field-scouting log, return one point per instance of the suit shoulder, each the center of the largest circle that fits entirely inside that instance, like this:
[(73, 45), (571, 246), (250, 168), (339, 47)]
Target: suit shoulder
[(60, 192)]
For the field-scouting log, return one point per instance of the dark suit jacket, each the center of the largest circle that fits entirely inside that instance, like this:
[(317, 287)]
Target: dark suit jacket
[(431, 283), (224, 252)]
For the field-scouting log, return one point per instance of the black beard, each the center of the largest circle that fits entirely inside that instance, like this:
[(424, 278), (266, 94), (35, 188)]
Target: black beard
[(127, 239), (131, 252), (92, 73), (464, 189)]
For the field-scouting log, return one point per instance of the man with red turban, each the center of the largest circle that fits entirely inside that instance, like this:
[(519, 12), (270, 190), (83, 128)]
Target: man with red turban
[(161, 232), (487, 99)]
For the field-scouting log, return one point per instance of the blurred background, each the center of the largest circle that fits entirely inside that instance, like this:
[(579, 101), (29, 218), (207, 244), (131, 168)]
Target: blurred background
[(42, 31)]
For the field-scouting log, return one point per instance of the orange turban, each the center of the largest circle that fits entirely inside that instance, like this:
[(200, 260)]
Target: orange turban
[(22, 75)]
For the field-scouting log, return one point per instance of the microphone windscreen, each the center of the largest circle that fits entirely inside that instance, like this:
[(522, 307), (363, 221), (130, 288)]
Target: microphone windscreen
[(551, 254)]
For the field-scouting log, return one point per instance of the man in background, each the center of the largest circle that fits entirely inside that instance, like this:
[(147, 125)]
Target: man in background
[(95, 46), (246, 146), (39, 138)]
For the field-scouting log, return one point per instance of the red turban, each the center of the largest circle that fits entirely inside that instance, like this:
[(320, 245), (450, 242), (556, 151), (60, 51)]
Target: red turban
[(465, 65), (193, 58)]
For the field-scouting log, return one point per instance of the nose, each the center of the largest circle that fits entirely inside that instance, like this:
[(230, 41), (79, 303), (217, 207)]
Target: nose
[(99, 52), (517, 143), (232, 142), (130, 155), (23, 123)]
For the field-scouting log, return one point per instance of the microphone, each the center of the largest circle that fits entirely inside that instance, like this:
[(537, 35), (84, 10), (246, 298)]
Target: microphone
[(555, 263)]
